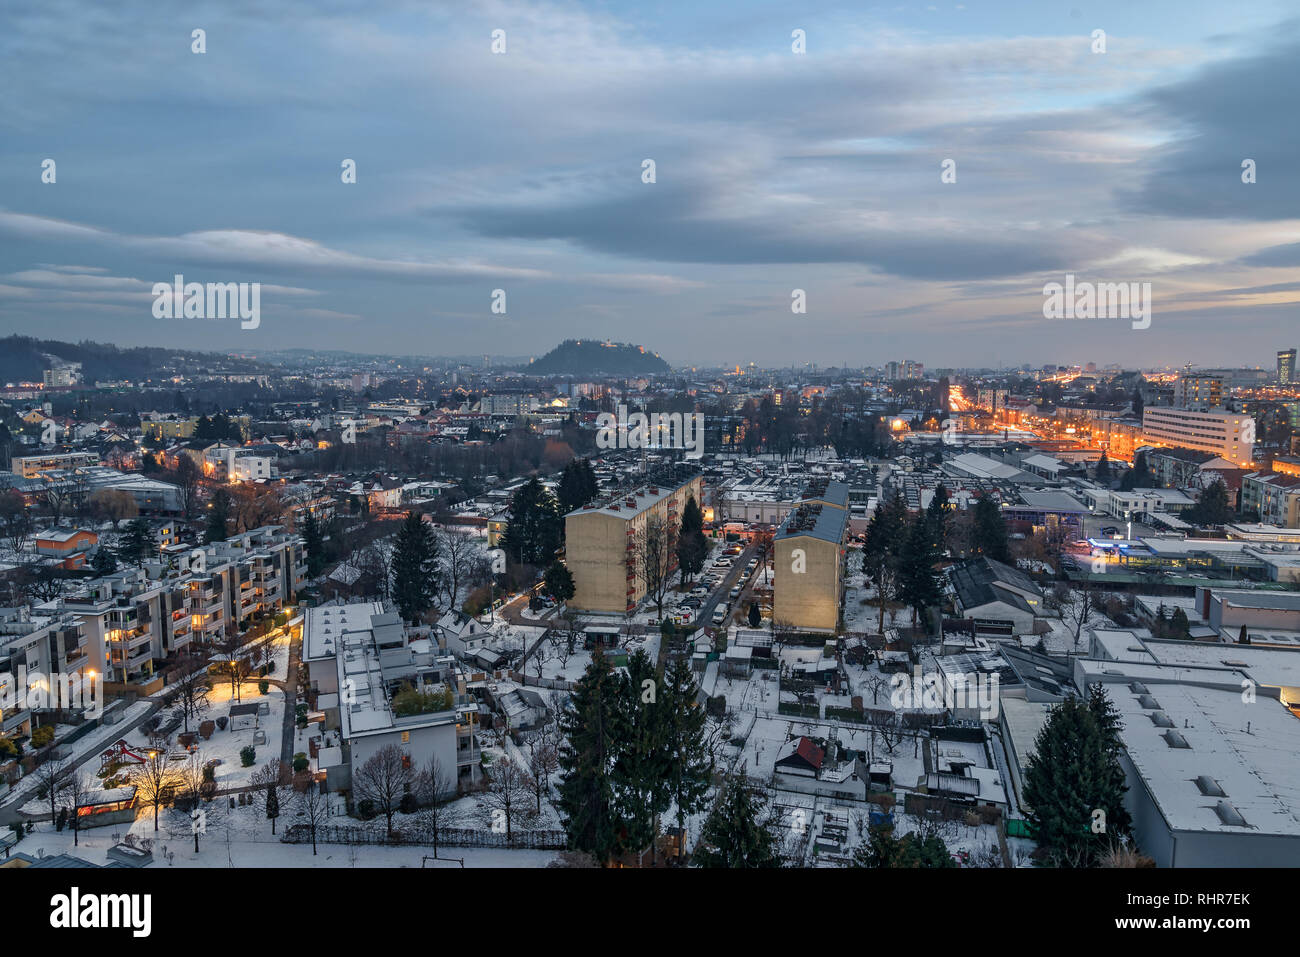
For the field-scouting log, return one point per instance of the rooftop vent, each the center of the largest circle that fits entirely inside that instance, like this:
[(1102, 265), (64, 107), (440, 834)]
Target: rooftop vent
[(1148, 703), (1175, 740), (1160, 719), (1137, 687), (1229, 815), (1210, 787)]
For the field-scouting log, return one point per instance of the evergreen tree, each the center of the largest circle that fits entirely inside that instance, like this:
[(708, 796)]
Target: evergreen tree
[(593, 729), (559, 582), (690, 763), (913, 850), (104, 562), (936, 514), (218, 516), (641, 766), (532, 533), (313, 545), (989, 531), (1103, 470), (1211, 506), (1073, 773), (415, 567), (755, 616), (1138, 403), (136, 543), (577, 486), (692, 546), (732, 835), (1139, 476), (1110, 724), (920, 585), (883, 551)]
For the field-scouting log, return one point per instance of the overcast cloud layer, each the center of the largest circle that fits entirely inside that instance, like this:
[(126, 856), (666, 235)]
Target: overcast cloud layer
[(775, 171)]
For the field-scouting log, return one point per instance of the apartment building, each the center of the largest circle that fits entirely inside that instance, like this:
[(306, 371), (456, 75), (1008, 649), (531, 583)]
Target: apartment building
[(1226, 434), (359, 658), (602, 543), (1200, 391), (45, 645), (1275, 496), (136, 619), (32, 466), (809, 560)]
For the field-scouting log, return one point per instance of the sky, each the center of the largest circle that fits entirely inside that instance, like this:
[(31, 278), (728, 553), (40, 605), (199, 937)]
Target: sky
[(774, 171)]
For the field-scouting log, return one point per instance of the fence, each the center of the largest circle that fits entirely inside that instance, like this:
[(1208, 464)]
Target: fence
[(447, 837)]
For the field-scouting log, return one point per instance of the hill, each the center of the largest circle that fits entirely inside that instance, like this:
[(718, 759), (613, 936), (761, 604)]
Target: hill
[(584, 357), (24, 359)]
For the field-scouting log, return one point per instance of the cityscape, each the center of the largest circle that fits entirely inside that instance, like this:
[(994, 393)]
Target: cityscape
[(584, 438)]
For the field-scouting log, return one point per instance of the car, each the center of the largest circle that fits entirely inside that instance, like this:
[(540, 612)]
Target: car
[(719, 615), (735, 592)]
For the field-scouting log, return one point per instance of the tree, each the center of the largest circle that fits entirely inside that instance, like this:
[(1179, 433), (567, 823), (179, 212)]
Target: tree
[(186, 479), (532, 533), (313, 808), (1071, 774), (192, 686), (577, 486), (1211, 506), (114, 504), (191, 779), (641, 764), (16, 518), (690, 760), (652, 554), (692, 546), (76, 792), (920, 585), (383, 780), (733, 836), (559, 582), (543, 761), (989, 530), (461, 558), (433, 784), (1139, 476), (136, 543), (507, 792), (218, 515), (882, 553), (313, 545), (1138, 403), (152, 781), (104, 562), (1077, 606), (592, 732), (229, 652), (415, 567), (936, 517), (755, 616), (274, 781), (50, 776), (1103, 470), (912, 850)]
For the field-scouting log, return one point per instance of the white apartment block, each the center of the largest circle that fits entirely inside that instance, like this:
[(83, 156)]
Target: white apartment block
[(1225, 434)]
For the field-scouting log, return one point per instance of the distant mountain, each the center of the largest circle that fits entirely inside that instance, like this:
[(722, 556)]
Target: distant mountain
[(24, 359), (584, 357)]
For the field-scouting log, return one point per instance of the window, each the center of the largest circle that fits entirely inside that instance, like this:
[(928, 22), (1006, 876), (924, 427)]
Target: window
[(406, 737)]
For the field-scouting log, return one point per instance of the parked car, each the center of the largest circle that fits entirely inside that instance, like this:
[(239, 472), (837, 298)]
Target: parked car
[(719, 614), (735, 593)]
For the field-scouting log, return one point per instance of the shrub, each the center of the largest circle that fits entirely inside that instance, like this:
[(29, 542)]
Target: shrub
[(221, 722), (300, 762), (366, 809), (263, 686), (210, 772), (43, 736), (247, 755), (409, 804)]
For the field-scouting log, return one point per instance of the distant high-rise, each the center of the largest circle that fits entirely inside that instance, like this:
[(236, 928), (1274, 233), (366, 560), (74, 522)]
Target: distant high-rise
[(1286, 366)]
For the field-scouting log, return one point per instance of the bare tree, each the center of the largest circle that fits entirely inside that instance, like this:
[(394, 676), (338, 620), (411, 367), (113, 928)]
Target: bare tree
[(543, 761), (384, 780), (189, 778), (876, 683), (230, 652), (433, 784), (460, 554), (153, 781), (313, 806), (76, 792), (186, 479), (1076, 607), (274, 781), (50, 776), (653, 553), (539, 658), (506, 794), (192, 689)]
